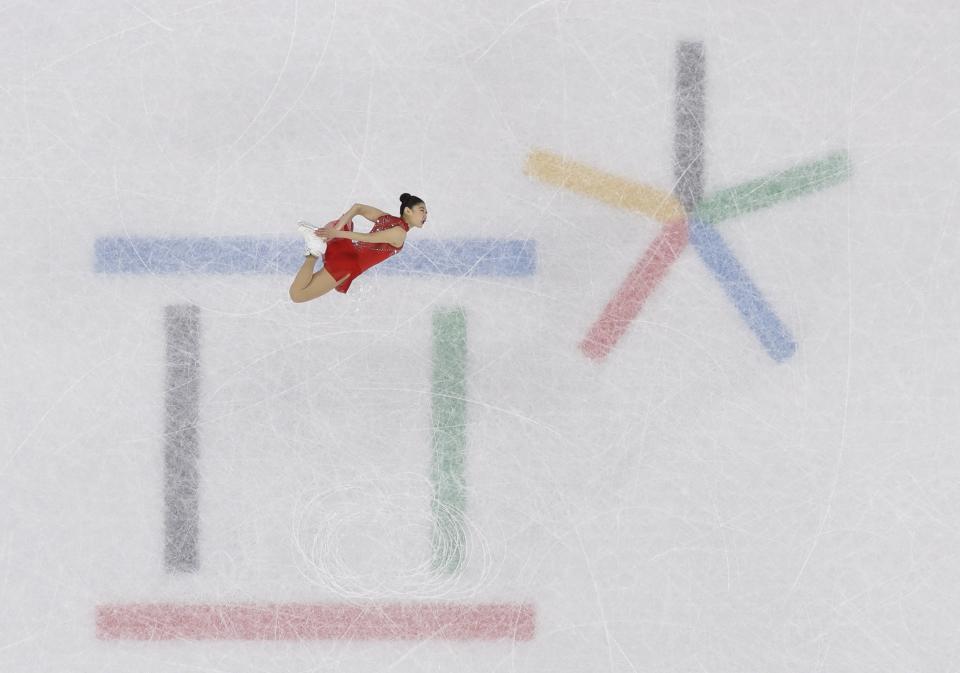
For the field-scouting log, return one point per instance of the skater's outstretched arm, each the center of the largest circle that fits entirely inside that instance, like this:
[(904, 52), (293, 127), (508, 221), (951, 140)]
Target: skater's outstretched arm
[(369, 212)]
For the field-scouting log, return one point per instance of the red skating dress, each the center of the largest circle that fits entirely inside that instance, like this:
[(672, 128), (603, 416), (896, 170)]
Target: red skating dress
[(344, 256)]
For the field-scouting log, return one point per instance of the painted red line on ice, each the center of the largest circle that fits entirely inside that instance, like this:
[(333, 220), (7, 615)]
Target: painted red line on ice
[(633, 292), (292, 621)]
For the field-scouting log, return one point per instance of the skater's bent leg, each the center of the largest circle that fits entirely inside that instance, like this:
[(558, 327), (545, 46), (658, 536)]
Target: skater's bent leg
[(319, 284), (304, 275)]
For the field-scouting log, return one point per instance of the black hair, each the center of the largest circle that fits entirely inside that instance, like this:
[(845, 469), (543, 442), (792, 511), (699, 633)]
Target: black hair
[(408, 201)]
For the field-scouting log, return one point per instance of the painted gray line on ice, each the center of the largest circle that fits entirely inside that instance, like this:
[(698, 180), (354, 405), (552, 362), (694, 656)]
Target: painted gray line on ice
[(181, 446), (688, 169)]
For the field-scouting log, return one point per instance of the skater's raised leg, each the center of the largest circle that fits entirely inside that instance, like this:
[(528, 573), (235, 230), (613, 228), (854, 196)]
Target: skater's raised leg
[(308, 285)]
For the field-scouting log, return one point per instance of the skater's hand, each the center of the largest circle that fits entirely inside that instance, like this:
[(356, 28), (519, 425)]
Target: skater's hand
[(327, 233)]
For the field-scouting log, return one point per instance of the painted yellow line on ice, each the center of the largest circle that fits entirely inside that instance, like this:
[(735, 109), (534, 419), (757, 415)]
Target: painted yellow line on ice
[(612, 189)]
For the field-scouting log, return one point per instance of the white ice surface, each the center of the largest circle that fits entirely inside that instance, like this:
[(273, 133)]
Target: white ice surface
[(686, 505)]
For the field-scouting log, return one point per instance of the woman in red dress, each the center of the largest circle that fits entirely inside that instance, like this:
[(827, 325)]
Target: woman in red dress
[(347, 253)]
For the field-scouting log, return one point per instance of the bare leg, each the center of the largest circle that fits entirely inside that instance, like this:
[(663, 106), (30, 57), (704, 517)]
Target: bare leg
[(308, 285), (305, 274)]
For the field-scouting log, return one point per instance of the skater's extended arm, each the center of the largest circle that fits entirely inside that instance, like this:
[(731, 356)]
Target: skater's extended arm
[(369, 212), (395, 236)]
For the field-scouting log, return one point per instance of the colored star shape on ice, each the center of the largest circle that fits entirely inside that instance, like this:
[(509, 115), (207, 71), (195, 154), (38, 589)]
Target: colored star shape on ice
[(679, 229)]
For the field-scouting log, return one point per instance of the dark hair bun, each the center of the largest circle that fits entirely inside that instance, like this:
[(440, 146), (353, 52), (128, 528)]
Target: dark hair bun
[(408, 201)]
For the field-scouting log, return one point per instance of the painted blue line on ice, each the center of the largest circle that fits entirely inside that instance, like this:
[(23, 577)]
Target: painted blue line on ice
[(259, 255), (771, 332), (463, 257)]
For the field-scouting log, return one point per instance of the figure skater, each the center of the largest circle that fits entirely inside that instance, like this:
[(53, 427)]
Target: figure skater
[(347, 253)]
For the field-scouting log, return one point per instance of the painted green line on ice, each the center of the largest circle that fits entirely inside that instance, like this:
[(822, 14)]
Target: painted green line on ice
[(449, 438), (781, 186)]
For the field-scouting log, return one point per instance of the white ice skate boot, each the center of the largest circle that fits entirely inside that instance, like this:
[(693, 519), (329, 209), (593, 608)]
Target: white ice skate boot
[(316, 246)]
